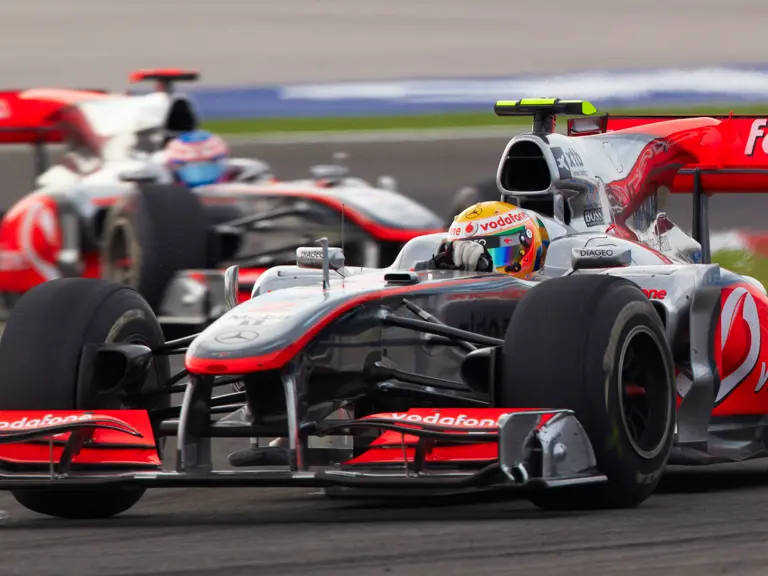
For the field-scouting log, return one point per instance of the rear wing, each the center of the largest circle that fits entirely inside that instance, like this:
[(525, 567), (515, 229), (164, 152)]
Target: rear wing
[(733, 160), (164, 78), (732, 149), (586, 126), (727, 140), (31, 117)]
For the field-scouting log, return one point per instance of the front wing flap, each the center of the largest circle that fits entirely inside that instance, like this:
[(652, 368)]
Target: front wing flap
[(67, 440), (548, 445), (419, 449)]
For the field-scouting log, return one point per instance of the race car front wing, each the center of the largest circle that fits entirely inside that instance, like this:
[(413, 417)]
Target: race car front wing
[(536, 449)]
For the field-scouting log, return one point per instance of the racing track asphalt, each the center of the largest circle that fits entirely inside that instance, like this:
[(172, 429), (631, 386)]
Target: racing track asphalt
[(707, 521)]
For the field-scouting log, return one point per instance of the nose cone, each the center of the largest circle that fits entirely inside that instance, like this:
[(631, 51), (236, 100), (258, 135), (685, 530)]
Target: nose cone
[(250, 337), (264, 333)]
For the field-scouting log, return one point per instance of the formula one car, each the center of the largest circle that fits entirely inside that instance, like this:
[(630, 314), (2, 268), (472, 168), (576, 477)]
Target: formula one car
[(111, 209), (574, 388)]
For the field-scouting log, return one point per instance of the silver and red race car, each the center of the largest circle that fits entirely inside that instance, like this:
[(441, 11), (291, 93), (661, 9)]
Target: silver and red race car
[(111, 209), (574, 388)]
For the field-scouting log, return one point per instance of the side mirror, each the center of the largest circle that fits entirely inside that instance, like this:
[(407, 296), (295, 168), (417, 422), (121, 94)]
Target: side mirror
[(311, 257), (145, 174), (561, 216), (333, 174), (572, 188), (325, 258), (329, 173), (387, 183)]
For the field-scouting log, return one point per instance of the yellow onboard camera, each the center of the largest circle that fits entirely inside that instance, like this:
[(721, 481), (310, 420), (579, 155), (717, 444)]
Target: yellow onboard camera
[(544, 110)]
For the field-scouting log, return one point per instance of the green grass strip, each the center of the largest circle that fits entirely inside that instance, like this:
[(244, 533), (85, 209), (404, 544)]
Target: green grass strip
[(432, 121), (743, 262)]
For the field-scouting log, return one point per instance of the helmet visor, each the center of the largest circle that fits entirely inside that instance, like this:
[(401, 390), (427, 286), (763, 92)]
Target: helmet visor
[(199, 173), (507, 250)]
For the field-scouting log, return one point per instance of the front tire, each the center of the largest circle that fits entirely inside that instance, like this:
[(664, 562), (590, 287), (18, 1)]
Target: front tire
[(594, 344), (40, 358)]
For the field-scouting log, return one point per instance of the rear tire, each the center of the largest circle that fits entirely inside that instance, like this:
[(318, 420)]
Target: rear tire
[(153, 233), (39, 359), (594, 344)]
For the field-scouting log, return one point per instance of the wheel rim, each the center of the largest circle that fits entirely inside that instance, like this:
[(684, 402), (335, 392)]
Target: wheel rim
[(121, 262), (644, 397)]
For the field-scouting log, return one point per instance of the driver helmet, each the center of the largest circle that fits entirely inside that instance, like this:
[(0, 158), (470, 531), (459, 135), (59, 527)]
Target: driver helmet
[(516, 240), (197, 158)]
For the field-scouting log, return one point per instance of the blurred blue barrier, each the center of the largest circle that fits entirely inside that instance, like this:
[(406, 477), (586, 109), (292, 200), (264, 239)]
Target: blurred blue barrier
[(638, 88)]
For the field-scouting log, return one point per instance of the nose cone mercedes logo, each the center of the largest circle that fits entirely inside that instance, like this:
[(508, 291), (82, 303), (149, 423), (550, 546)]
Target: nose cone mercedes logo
[(236, 336)]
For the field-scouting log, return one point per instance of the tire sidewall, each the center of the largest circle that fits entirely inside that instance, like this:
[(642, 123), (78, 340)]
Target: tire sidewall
[(561, 351), (121, 217), (125, 317), (616, 456), (170, 231), (56, 319)]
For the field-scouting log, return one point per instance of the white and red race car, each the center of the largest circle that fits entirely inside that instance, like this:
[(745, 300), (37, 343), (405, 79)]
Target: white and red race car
[(106, 208)]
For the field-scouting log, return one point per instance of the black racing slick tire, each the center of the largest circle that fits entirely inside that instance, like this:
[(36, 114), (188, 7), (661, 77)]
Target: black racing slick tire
[(595, 344), (40, 354), (151, 234)]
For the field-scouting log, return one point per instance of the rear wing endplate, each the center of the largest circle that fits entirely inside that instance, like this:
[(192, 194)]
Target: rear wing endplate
[(38, 137), (703, 182)]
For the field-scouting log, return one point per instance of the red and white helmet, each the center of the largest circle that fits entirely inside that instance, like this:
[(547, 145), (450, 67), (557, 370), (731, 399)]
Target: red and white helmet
[(197, 158)]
